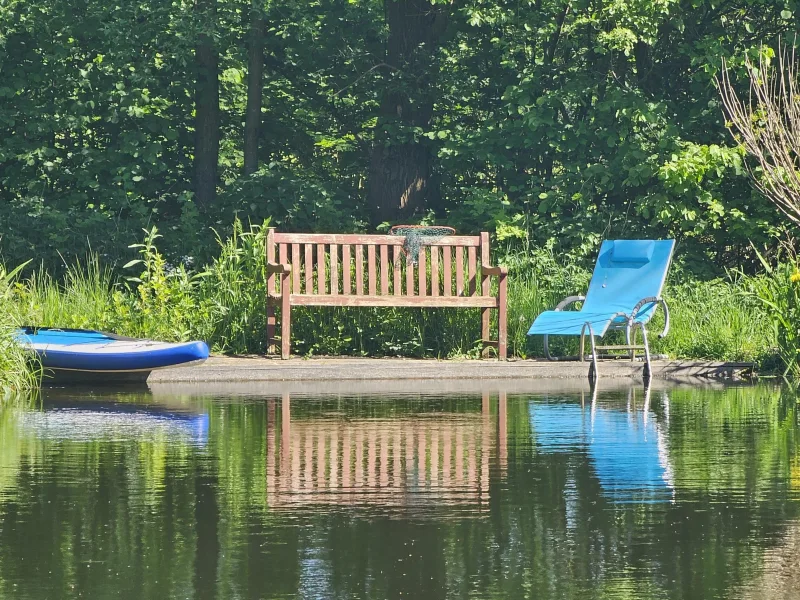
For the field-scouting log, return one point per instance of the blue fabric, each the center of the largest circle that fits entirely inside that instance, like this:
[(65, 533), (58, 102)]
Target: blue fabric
[(624, 251), (68, 337), (616, 287), (624, 450)]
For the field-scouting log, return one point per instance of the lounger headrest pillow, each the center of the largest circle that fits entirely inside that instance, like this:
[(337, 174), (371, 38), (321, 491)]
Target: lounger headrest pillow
[(632, 251)]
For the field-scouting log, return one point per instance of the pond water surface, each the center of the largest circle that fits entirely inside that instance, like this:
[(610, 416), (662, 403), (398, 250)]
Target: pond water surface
[(213, 493)]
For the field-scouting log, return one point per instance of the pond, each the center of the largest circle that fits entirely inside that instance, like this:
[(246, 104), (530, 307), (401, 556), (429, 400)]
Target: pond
[(384, 492)]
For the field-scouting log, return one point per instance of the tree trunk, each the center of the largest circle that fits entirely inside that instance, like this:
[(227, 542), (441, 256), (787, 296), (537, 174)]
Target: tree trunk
[(399, 174), (206, 98), (255, 69)]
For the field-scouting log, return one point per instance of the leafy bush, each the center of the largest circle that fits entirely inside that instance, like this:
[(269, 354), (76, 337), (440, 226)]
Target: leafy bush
[(778, 291), (17, 369), (224, 304)]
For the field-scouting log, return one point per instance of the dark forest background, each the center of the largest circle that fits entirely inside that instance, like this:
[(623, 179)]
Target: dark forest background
[(560, 121)]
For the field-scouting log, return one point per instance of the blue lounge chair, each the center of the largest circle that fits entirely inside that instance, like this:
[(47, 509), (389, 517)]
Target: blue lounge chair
[(624, 293)]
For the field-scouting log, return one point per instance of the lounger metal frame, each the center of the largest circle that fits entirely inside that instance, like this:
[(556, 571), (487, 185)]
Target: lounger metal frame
[(629, 326)]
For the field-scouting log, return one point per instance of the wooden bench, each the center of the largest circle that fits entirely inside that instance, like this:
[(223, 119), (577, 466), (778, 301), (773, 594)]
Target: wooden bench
[(314, 269)]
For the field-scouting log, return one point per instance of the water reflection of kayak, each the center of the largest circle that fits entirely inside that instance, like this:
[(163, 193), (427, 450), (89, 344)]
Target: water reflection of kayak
[(628, 450), (79, 354), (115, 422)]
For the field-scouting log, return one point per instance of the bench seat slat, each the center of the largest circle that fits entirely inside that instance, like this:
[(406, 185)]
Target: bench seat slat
[(322, 281), (448, 271), (309, 271), (472, 270), (409, 278), (296, 262), (359, 270), (371, 280), (347, 288), (389, 301), (384, 257), (434, 271), (459, 271), (422, 271), (334, 269), (397, 287)]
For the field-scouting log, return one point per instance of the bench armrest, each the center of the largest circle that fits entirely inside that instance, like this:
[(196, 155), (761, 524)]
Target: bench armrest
[(496, 271), (278, 268)]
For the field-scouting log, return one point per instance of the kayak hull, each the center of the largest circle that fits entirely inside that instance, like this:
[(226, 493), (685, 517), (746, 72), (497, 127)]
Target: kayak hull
[(85, 352)]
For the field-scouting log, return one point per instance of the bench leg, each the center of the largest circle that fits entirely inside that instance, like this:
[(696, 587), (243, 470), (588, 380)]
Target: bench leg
[(286, 324), (485, 313), (502, 321), (271, 349)]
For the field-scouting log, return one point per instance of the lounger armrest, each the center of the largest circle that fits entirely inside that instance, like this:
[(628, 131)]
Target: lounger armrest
[(278, 268), (496, 271), (654, 300), (569, 300)]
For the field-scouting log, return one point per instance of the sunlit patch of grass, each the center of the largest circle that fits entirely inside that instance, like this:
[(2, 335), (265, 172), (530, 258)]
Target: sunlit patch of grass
[(223, 303), (18, 368)]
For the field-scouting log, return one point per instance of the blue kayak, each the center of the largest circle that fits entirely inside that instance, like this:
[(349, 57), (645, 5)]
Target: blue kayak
[(97, 352)]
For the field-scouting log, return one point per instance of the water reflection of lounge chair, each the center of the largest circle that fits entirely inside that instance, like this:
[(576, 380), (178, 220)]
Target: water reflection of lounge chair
[(89, 421), (627, 447), (624, 292)]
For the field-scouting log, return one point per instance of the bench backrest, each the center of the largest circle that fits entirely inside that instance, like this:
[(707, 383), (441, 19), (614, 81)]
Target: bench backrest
[(375, 265)]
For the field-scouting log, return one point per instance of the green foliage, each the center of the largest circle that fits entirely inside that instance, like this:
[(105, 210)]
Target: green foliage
[(714, 320), (162, 303), (223, 304), (562, 123), (18, 372), (233, 291), (778, 290)]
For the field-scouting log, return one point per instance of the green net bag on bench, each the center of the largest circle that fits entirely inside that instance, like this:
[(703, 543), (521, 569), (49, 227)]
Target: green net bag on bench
[(418, 236)]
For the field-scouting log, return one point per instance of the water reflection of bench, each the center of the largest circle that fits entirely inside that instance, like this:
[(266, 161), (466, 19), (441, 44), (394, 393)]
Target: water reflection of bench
[(417, 460)]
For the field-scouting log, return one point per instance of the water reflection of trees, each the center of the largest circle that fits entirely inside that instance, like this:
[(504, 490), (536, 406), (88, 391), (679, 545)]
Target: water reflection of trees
[(160, 517)]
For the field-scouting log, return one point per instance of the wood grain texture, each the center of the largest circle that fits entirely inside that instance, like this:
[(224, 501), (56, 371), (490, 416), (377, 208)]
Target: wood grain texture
[(459, 271), (422, 272), (334, 255), (384, 258), (409, 278), (397, 266), (388, 301), (371, 272), (347, 287), (472, 271), (448, 271), (359, 270), (434, 284), (309, 269), (322, 282), (297, 264), (369, 240), (434, 271)]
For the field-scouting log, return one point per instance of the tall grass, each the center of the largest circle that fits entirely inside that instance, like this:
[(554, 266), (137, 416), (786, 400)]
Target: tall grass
[(224, 304), (777, 290), (717, 320), (18, 371)]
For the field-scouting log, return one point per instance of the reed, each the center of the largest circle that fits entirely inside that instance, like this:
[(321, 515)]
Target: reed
[(223, 303), (18, 370)]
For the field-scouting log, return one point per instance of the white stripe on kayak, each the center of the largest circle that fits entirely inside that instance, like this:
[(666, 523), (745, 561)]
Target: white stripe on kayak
[(111, 347)]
